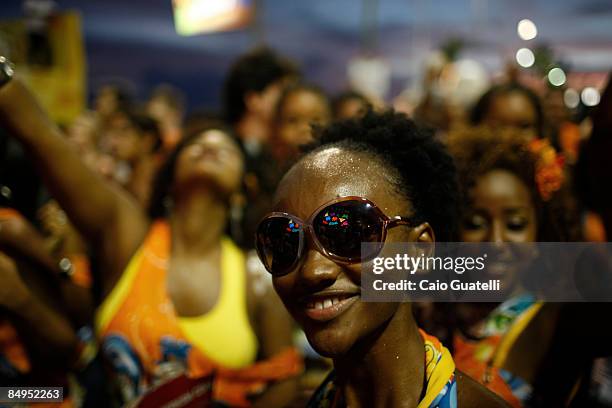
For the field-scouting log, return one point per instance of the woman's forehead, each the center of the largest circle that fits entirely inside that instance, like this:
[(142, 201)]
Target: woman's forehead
[(214, 135), (337, 172)]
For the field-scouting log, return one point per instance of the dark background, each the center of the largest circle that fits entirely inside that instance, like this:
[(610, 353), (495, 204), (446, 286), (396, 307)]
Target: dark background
[(135, 39)]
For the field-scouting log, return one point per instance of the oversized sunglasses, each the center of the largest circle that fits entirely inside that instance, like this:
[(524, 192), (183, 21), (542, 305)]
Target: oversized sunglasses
[(337, 229)]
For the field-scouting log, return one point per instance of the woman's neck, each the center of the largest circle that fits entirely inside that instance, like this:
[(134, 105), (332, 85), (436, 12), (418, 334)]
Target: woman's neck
[(197, 223), (387, 370)]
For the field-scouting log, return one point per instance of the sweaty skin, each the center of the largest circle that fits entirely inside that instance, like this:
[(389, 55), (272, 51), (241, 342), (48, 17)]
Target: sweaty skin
[(377, 351)]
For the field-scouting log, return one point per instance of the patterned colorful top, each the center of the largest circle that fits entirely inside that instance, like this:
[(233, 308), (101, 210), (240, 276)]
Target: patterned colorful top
[(483, 359), (441, 385)]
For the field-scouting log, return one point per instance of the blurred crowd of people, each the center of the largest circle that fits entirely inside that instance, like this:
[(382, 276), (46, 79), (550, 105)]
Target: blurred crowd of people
[(127, 250)]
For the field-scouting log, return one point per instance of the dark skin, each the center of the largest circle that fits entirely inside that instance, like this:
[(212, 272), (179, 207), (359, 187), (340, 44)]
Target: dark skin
[(503, 211), (256, 123), (300, 110), (129, 144), (207, 173), (352, 108), (47, 335), (513, 109), (21, 240), (377, 351)]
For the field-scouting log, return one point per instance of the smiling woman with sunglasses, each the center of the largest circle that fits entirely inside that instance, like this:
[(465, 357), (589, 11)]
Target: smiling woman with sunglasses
[(379, 179)]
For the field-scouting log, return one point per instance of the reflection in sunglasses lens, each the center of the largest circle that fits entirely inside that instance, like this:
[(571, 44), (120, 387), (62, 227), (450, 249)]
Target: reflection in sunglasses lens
[(278, 243), (342, 227)]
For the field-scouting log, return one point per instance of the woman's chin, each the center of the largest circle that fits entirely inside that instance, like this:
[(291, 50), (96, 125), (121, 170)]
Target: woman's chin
[(209, 180), (329, 343)]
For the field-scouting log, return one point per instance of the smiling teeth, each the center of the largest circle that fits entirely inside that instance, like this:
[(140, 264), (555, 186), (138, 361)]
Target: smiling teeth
[(323, 304)]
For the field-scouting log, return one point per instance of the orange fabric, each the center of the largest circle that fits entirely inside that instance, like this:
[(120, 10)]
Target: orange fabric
[(593, 227), (147, 316), (81, 270), (80, 262), (11, 347), (569, 139), (8, 213), (481, 371)]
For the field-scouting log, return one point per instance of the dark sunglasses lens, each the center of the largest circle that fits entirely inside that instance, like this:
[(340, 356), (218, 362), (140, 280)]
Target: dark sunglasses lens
[(342, 227), (278, 244)]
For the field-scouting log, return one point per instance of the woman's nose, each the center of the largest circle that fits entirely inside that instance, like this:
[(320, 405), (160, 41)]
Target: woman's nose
[(497, 232), (317, 271)]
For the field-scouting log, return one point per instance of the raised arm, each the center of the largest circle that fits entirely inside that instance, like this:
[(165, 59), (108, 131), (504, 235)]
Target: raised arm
[(107, 217)]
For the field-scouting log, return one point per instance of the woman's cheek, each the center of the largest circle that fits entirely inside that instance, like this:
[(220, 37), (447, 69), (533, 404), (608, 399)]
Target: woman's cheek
[(473, 236), (354, 273), (283, 285)]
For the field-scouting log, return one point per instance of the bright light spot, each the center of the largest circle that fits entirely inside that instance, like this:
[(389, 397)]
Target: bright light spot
[(205, 16), (590, 96), (556, 76), (571, 98), (525, 57), (464, 82), (526, 29)]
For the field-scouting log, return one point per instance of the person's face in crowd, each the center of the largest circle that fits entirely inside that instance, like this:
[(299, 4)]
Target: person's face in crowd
[(502, 212), (82, 133), (513, 109), (125, 141), (160, 110), (264, 103), (351, 108), (212, 159), (106, 102), (301, 110), (319, 281)]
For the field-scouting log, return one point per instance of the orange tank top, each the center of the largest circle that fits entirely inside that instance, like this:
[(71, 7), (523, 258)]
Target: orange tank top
[(147, 342)]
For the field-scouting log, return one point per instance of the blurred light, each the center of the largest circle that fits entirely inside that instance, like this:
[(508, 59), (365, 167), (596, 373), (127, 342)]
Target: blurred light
[(571, 98), (525, 57), (6, 192), (590, 96), (201, 16), (370, 75), (556, 76), (463, 82), (526, 29)]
